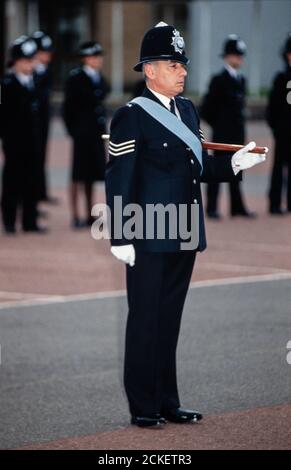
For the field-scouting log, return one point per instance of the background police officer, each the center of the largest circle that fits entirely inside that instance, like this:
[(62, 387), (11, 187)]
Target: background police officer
[(85, 118), (20, 133), (149, 164), (43, 80), (223, 109), (279, 119)]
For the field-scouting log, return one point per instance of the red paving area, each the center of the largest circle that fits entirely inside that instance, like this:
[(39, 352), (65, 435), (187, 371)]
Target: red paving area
[(257, 429), (67, 262)]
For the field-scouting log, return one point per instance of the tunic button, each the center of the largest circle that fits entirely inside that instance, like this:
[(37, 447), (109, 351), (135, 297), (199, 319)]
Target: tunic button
[(165, 144), (195, 201), (192, 161), (194, 181), (188, 148)]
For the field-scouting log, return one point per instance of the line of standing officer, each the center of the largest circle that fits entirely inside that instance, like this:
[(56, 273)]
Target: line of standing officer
[(43, 80), (85, 119), (223, 108), (279, 119), (20, 134)]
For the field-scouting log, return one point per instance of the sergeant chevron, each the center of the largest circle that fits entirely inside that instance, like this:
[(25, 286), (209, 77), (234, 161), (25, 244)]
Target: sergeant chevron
[(121, 148)]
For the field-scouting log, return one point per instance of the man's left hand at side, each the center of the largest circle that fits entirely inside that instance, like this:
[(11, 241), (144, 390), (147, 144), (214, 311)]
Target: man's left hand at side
[(244, 158), (125, 253)]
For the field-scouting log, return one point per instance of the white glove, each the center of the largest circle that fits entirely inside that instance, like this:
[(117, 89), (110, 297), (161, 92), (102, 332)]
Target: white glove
[(125, 253), (243, 159)]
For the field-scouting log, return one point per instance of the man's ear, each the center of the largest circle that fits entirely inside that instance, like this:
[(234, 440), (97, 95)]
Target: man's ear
[(149, 70)]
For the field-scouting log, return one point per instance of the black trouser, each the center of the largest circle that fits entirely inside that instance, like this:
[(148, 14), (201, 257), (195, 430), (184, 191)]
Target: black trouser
[(282, 158), (156, 287), (236, 201), (19, 190), (42, 179)]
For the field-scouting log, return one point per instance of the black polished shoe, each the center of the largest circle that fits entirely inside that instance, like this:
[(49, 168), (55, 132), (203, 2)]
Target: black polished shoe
[(78, 223), (161, 419), (277, 211), (156, 421), (9, 230), (214, 215), (179, 415), (247, 214), (36, 229)]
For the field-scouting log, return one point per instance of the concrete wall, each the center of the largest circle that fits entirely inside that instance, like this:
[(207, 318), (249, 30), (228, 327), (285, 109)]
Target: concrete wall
[(121, 43)]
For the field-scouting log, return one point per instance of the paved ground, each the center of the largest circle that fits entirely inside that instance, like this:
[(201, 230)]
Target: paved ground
[(61, 371), (62, 316)]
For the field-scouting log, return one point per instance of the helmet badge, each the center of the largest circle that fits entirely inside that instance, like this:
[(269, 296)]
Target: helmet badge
[(178, 42)]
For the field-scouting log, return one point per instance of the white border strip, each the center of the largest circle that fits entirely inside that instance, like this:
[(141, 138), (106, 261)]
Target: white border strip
[(57, 299)]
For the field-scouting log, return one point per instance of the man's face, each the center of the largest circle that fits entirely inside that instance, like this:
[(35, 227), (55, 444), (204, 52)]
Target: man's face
[(234, 60), (25, 66), (43, 57), (166, 77), (94, 61)]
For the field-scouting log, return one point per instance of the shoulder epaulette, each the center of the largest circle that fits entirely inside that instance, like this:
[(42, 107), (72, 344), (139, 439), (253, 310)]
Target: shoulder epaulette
[(7, 80), (75, 71)]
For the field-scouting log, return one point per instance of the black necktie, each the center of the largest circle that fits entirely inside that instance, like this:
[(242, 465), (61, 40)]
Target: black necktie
[(239, 78), (172, 106), (30, 84), (95, 78)]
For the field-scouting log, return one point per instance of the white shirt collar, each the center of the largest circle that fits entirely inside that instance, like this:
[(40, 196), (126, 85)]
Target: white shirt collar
[(233, 72), (40, 68), (166, 101), (24, 80), (92, 73)]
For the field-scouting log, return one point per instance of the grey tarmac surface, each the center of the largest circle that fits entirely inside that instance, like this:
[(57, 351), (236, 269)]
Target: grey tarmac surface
[(61, 371)]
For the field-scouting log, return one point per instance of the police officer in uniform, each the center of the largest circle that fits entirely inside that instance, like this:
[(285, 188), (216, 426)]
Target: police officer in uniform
[(149, 164), (223, 109), (85, 118), (19, 129), (43, 80), (279, 119)]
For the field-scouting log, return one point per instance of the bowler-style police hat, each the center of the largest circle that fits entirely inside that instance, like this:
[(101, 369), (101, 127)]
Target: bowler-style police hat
[(22, 48), (287, 47), (43, 41), (234, 45), (163, 42), (90, 48)]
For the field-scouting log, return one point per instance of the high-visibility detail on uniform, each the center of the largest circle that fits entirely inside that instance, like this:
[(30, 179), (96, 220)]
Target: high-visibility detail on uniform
[(122, 148), (126, 147), (201, 134), (173, 124), (122, 143), (118, 153)]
